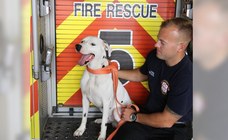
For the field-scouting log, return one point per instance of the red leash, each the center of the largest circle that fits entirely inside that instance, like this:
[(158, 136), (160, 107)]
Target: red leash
[(113, 69), (121, 122)]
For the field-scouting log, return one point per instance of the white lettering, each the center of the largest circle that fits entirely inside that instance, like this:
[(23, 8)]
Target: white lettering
[(87, 9), (116, 10), (127, 10)]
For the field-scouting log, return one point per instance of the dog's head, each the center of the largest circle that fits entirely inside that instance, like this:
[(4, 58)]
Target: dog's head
[(92, 48)]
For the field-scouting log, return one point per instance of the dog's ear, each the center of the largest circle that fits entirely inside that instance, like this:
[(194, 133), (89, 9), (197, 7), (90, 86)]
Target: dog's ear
[(107, 48)]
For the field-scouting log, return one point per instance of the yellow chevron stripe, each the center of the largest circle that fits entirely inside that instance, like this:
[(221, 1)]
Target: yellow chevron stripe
[(72, 20), (35, 126), (151, 26), (61, 30), (69, 84), (26, 114), (145, 84)]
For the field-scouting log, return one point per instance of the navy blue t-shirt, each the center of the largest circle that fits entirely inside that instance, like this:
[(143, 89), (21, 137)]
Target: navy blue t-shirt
[(171, 86)]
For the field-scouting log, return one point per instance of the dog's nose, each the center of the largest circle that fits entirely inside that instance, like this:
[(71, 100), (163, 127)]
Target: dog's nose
[(78, 47)]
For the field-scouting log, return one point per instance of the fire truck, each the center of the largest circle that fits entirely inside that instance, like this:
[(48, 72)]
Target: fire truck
[(129, 26)]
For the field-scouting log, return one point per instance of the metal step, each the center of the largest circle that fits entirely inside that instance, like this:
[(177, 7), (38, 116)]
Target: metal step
[(63, 128)]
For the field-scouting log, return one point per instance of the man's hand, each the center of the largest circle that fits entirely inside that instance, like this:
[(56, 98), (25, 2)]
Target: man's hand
[(126, 113)]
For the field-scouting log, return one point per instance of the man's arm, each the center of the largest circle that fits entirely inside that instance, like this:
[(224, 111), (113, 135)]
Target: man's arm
[(164, 119), (132, 75)]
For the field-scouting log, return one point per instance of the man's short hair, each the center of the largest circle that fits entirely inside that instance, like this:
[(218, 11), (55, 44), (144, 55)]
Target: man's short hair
[(184, 25)]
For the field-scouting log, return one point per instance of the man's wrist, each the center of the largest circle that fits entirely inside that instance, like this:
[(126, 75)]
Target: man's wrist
[(133, 117)]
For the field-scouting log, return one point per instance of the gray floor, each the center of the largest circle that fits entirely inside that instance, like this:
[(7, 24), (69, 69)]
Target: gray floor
[(63, 128)]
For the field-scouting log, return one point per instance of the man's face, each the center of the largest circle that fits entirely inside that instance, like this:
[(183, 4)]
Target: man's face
[(167, 44)]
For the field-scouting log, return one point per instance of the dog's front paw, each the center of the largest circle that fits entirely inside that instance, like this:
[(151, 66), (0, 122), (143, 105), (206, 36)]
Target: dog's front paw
[(98, 121), (101, 138), (78, 132)]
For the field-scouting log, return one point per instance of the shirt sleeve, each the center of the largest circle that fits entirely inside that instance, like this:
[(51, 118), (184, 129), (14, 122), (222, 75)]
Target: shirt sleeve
[(144, 68)]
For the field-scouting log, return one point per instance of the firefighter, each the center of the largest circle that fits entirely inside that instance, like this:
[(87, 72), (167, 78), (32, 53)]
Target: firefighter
[(167, 114)]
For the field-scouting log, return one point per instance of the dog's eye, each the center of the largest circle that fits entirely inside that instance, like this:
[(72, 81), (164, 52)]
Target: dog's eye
[(93, 44), (82, 41)]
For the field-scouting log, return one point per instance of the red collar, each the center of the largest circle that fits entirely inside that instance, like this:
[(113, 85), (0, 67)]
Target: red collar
[(111, 68)]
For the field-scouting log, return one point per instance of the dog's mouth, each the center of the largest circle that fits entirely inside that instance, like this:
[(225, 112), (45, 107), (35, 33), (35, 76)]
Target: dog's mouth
[(85, 59)]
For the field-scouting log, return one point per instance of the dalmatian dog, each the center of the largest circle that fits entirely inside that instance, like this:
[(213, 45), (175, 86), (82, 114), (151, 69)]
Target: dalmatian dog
[(98, 88)]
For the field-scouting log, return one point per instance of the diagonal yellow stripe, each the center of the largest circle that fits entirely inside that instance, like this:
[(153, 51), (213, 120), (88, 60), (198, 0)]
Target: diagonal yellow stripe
[(26, 114), (61, 44), (35, 127), (145, 84), (69, 84), (151, 25)]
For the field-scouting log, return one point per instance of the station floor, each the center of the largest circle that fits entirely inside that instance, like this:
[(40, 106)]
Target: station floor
[(63, 128)]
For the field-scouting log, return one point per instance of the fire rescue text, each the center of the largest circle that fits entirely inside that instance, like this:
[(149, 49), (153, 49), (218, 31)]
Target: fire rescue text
[(116, 10)]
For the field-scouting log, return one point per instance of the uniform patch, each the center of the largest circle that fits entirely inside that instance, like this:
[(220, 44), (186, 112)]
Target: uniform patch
[(164, 87)]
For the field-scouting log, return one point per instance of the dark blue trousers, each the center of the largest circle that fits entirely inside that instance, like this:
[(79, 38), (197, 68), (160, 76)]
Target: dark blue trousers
[(137, 131)]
